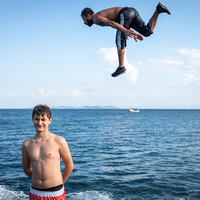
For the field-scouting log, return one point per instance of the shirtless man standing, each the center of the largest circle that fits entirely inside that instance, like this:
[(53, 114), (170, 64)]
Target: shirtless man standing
[(123, 19), (41, 159)]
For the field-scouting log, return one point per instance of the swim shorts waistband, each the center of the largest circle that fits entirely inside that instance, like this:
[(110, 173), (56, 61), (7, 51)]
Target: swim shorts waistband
[(52, 189), (60, 194)]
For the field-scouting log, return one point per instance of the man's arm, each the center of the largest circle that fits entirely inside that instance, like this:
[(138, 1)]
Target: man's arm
[(102, 21), (67, 159), (26, 162)]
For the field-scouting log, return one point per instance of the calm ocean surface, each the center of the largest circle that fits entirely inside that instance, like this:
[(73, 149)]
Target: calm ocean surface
[(118, 155)]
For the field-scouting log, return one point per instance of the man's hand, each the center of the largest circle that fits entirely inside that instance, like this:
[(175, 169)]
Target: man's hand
[(132, 34)]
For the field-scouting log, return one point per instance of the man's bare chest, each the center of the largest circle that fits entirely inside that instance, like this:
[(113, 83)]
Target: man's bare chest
[(43, 151)]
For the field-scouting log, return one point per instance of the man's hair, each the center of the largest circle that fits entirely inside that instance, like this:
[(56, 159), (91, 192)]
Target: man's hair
[(86, 11), (41, 110)]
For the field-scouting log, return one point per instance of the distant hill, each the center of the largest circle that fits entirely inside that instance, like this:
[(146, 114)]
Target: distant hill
[(99, 107), (86, 107), (64, 107)]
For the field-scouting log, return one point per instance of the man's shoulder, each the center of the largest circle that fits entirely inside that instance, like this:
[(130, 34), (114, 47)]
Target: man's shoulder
[(109, 14), (108, 11), (27, 142), (59, 139)]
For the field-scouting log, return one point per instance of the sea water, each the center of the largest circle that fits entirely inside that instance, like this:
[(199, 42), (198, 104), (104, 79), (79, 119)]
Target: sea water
[(117, 155)]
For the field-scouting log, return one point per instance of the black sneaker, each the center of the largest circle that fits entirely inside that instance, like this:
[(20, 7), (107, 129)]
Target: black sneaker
[(119, 71), (161, 8)]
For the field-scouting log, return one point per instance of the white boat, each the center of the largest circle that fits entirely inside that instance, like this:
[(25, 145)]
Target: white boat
[(133, 110)]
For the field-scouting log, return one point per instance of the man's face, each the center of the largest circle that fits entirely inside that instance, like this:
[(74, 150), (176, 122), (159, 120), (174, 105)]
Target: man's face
[(87, 21), (41, 123)]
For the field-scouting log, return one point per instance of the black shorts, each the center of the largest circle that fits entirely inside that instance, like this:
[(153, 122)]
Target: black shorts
[(130, 18)]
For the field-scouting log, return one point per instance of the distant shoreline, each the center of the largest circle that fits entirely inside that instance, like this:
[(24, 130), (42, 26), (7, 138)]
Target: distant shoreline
[(99, 108)]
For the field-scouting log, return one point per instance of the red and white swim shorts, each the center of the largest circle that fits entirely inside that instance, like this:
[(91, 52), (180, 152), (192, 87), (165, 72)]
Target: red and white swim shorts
[(47, 195)]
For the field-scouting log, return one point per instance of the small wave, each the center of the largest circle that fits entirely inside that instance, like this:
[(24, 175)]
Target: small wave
[(89, 195), (7, 194)]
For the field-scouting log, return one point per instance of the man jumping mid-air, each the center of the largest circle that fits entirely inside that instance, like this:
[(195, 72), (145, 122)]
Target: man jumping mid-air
[(123, 19)]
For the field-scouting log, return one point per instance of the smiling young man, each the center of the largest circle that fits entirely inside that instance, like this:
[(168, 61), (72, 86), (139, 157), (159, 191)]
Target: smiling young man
[(41, 158), (123, 19)]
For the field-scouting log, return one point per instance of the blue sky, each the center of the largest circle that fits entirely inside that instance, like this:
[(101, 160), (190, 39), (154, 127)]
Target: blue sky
[(48, 56)]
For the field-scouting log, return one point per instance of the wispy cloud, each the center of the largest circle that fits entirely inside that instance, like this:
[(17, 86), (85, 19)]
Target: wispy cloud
[(144, 95), (184, 80), (165, 64), (190, 78), (72, 93), (47, 93), (190, 53), (89, 88), (110, 55), (188, 61), (31, 94), (191, 59), (10, 95), (173, 84), (129, 95)]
